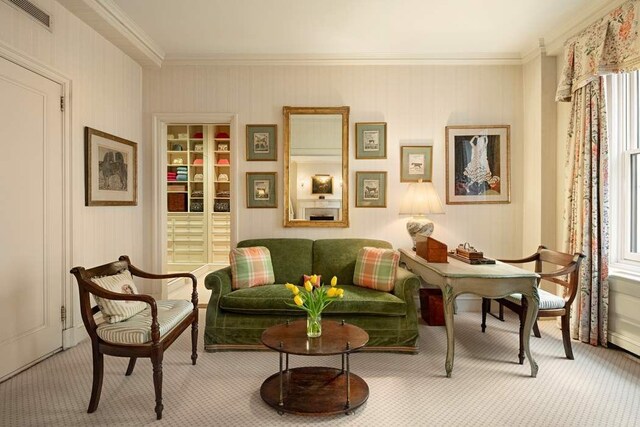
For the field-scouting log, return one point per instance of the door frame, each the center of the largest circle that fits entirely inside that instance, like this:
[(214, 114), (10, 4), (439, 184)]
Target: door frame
[(71, 333), (159, 177)]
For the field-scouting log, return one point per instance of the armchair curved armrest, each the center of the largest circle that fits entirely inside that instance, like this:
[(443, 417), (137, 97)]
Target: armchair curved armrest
[(562, 272), (530, 258), (140, 273)]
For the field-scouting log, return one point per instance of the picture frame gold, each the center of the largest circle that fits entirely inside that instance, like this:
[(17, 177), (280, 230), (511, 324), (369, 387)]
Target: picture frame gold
[(262, 143), (416, 163), (262, 189), (371, 189)]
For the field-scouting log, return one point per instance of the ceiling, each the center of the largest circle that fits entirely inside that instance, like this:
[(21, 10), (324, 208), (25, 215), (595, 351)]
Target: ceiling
[(383, 28)]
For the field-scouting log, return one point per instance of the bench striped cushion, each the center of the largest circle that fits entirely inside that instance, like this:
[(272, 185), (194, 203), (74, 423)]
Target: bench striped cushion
[(114, 310), (548, 300), (137, 329)]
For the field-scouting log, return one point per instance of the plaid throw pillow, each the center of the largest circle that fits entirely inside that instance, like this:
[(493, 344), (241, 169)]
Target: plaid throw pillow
[(251, 267), (376, 268), (115, 311)]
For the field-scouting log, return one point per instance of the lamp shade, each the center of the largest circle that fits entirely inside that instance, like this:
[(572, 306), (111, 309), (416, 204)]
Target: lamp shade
[(421, 199)]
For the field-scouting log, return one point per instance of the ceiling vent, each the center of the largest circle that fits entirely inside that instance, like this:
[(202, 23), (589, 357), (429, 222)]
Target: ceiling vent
[(33, 11)]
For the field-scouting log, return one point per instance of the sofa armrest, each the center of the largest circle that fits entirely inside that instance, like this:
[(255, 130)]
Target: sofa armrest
[(219, 281), (406, 285)]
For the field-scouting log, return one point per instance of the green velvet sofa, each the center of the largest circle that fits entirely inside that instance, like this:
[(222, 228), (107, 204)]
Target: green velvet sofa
[(236, 319)]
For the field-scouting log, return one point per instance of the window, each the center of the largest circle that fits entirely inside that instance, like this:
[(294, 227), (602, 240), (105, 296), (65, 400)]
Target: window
[(623, 107)]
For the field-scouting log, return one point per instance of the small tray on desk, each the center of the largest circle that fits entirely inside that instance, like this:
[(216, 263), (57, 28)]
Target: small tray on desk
[(475, 261)]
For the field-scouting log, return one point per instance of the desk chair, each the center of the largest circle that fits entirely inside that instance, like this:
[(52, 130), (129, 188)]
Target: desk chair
[(550, 304)]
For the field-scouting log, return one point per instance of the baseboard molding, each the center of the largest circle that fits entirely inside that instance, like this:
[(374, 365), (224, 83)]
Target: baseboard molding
[(624, 342), (74, 336)]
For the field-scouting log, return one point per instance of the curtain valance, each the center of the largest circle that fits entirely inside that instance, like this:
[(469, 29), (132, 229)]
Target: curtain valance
[(609, 45)]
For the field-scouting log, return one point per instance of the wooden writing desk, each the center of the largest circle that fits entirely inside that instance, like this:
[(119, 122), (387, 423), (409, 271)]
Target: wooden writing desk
[(491, 281)]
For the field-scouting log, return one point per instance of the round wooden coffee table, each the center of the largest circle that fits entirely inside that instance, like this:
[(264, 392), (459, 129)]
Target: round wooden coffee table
[(314, 390)]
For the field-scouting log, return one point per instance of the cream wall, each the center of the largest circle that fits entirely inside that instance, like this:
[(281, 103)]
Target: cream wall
[(417, 102), (106, 88)]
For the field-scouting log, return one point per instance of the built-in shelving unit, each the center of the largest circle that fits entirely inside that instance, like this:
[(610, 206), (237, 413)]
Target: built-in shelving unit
[(198, 195)]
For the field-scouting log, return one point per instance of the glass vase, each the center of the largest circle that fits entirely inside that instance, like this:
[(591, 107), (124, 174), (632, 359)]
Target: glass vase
[(314, 325)]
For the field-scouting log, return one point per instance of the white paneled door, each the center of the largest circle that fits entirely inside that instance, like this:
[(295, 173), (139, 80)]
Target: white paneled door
[(31, 217)]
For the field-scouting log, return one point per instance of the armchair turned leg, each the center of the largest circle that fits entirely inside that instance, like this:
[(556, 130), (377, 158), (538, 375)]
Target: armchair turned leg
[(98, 370), (536, 330), (566, 336), (194, 341), (486, 306), (132, 364), (156, 360)]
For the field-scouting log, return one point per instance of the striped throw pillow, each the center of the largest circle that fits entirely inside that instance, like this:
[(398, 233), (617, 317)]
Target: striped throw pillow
[(115, 311), (251, 267), (376, 268)]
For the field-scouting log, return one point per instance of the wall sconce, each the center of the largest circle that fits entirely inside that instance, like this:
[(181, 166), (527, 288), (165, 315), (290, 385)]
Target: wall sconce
[(421, 199)]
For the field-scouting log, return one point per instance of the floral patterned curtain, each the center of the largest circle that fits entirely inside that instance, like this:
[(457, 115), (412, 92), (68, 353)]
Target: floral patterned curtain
[(586, 211), (610, 45)]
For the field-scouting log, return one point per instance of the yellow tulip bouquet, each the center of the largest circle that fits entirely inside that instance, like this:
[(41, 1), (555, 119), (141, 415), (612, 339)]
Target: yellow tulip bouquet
[(314, 298)]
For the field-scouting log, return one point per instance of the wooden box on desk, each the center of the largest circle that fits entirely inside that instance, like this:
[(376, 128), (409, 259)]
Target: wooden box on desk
[(432, 250)]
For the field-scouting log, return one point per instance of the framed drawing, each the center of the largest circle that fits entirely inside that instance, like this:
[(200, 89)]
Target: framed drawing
[(322, 184), (416, 163), (477, 164), (262, 142), (110, 169), (262, 191), (371, 189), (371, 140)]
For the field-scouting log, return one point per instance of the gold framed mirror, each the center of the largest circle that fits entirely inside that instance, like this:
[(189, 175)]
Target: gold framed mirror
[(316, 166)]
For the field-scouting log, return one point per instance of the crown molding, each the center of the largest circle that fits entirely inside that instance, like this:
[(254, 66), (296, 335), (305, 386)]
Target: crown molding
[(115, 25), (348, 59)]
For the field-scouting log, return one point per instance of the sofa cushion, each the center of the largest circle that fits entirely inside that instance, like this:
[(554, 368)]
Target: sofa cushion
[(114, 311), (337, 257), (276, 299), (291, 258), (251, 267), (137, 329), (376, 268)]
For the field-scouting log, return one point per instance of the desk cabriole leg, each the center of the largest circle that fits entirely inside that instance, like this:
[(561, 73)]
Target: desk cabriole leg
[(448, 321), (533, 301)]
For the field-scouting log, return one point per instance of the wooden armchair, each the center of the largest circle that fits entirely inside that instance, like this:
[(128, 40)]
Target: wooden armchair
[(550, 304), (145, 334)]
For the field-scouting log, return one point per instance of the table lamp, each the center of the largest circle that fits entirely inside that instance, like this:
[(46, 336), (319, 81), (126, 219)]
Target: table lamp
[(421, 199)]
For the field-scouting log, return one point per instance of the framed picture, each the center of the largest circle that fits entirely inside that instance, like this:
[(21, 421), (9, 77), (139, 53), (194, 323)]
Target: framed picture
[(110, 169), (262, 142), (371, 140), (322, 184), (477, 164), (371, 189), (416, 163), (262, 191)]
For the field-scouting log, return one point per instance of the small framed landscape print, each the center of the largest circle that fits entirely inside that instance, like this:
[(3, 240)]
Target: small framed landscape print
[(371, 140), (371, 189), (477, 164), (262, 191), (322, 184), (262, 142), (416, 163), (111, 169)]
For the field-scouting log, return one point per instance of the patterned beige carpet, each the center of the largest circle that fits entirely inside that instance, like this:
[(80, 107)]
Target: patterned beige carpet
[(601, 387)]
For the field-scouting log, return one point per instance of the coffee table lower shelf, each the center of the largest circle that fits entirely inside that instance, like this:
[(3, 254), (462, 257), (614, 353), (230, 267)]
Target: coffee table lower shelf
[(314, 391)]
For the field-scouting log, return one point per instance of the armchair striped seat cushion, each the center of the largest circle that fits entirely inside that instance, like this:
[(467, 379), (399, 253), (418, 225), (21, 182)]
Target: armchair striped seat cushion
[(548, 301), (137, 329)]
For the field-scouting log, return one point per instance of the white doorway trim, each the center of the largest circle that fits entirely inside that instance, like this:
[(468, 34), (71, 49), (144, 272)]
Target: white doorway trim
[(159, 182), (71, 334)]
